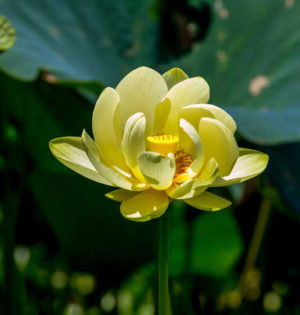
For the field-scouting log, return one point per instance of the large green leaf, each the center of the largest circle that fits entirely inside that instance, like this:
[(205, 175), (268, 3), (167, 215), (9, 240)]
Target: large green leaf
[(79, 40), (251, 61), (250, 57)]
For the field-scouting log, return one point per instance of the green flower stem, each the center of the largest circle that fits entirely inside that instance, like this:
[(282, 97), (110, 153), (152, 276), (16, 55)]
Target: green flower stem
[(163, 263)]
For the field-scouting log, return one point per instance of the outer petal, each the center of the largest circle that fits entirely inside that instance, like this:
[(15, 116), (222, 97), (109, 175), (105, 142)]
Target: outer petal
[(140, 91), (208, 202), (195, 187), (157, 169), (121, 194), (249, 164), (133, 142), (187, 92), (114, 177), (70, 151), (104, 128), (174, 76), (191, 143), (193, 114), (219, 143), (145, 206)]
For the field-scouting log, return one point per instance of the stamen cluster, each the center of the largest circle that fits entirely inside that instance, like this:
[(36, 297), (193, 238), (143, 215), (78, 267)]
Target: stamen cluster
[(183, 161)]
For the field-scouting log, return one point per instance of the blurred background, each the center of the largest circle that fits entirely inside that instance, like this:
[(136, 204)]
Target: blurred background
[(64, 247)]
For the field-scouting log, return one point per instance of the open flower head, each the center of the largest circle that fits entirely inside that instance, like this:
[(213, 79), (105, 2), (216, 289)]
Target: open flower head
[(156, 138)]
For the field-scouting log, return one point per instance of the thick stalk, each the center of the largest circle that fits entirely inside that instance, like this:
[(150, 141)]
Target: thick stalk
[(163, 263)]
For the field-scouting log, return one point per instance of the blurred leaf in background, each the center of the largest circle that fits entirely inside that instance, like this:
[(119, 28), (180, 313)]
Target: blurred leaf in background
[(250, 59), (80, 41), (216, 245)]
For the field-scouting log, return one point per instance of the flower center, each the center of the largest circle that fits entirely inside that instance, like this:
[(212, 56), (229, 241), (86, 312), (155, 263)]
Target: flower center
[(163, 144), (183, 161)]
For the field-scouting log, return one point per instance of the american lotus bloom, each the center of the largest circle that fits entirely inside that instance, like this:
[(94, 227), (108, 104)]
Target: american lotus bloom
[(157, 139)]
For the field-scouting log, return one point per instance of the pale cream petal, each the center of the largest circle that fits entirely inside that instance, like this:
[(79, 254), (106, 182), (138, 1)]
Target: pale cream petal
[(140, 91), (113, 176), (71, 152), (249, 164), (187, 92), (208, 202), (191, 143), (121, 194), (145, 206), (160, 115), (104, 130), (133, 142), (157, 169), (219, 143), (193, 113), (194, 187), (174, 76)]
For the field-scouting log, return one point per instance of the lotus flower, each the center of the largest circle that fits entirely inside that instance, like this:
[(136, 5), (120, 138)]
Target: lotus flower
[(157, 139)]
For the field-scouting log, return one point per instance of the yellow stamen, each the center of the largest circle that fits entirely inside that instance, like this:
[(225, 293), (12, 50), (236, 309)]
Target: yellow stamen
[(183, 161), (163, 144)]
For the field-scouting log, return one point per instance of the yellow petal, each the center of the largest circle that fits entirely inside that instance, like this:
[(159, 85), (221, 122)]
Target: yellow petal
[(104, 129), (120, 194), (219, 143), (208, 202), (193, 114), (195, 187), (187, 92), (157, 169), (174, 76), (249, 164), (140, 91), (145, 206), (191, 143), (70, 151), (113, 176), (161, 113), (133, 142)]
